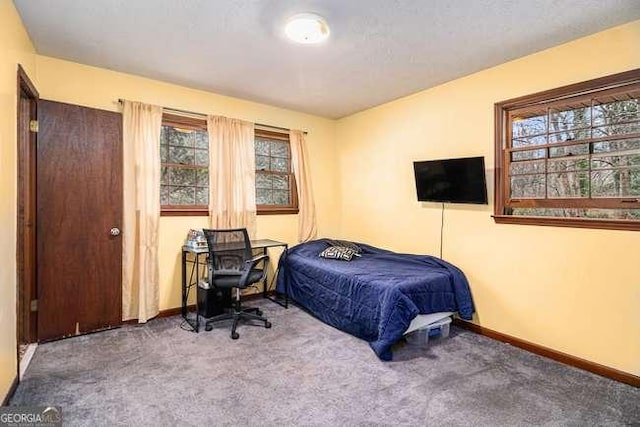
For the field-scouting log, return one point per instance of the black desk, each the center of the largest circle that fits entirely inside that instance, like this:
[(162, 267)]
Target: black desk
[(197, 258)]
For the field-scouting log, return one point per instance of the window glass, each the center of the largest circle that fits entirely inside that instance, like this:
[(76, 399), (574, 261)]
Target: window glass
[(275, 188), (184, 155)]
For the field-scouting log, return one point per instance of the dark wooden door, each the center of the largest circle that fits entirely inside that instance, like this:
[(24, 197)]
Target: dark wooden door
[(79, 200)]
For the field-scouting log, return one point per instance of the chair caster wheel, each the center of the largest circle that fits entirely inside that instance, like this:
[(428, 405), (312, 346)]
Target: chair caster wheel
[(208, 328), (235, 335), (267, 325)]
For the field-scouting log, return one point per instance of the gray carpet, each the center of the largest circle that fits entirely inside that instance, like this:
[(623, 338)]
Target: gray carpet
[(303, 372)]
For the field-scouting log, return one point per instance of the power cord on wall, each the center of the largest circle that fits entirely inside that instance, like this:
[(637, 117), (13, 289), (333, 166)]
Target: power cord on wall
[(441, 228)]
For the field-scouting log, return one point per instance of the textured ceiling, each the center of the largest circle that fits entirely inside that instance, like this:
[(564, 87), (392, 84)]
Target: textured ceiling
[(379, 50)]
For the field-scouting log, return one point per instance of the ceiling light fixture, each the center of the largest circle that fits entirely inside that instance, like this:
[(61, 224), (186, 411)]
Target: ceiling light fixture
[(307, 28)]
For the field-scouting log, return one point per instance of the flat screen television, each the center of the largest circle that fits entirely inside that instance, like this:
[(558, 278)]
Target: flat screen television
[(451, 180)]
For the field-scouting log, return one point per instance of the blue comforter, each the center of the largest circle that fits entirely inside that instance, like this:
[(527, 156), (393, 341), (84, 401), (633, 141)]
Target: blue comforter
[(375, 296)]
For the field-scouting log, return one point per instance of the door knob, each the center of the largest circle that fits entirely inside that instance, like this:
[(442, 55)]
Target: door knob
[(115, 231)]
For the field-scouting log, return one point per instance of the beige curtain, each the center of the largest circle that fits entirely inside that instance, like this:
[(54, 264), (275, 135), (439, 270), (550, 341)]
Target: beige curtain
[(307, 228), (141, 179), (232, 174)]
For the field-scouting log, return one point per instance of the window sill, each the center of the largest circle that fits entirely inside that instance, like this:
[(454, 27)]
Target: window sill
[(278, 211), (603, 224), (183, 212), (200, 212)]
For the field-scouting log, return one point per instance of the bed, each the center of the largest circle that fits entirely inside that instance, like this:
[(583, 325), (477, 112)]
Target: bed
[(374, 296)]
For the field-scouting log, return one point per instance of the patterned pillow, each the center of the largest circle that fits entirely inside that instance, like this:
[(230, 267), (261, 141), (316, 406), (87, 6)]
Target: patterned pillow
[(338, 252), (345, 244)]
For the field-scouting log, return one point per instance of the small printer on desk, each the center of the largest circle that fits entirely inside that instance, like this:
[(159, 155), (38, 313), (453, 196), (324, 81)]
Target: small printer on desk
[(196, 240)]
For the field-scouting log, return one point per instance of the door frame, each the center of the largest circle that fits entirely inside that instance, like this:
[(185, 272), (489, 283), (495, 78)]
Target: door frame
[(26, 286)]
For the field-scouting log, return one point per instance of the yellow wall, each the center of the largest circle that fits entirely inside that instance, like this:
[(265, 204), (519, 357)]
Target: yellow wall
[(574, 290), (99, 88), (15, 47), (581, 295)]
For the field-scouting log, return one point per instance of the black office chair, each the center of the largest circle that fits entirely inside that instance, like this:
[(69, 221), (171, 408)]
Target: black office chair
[(231, 265)]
